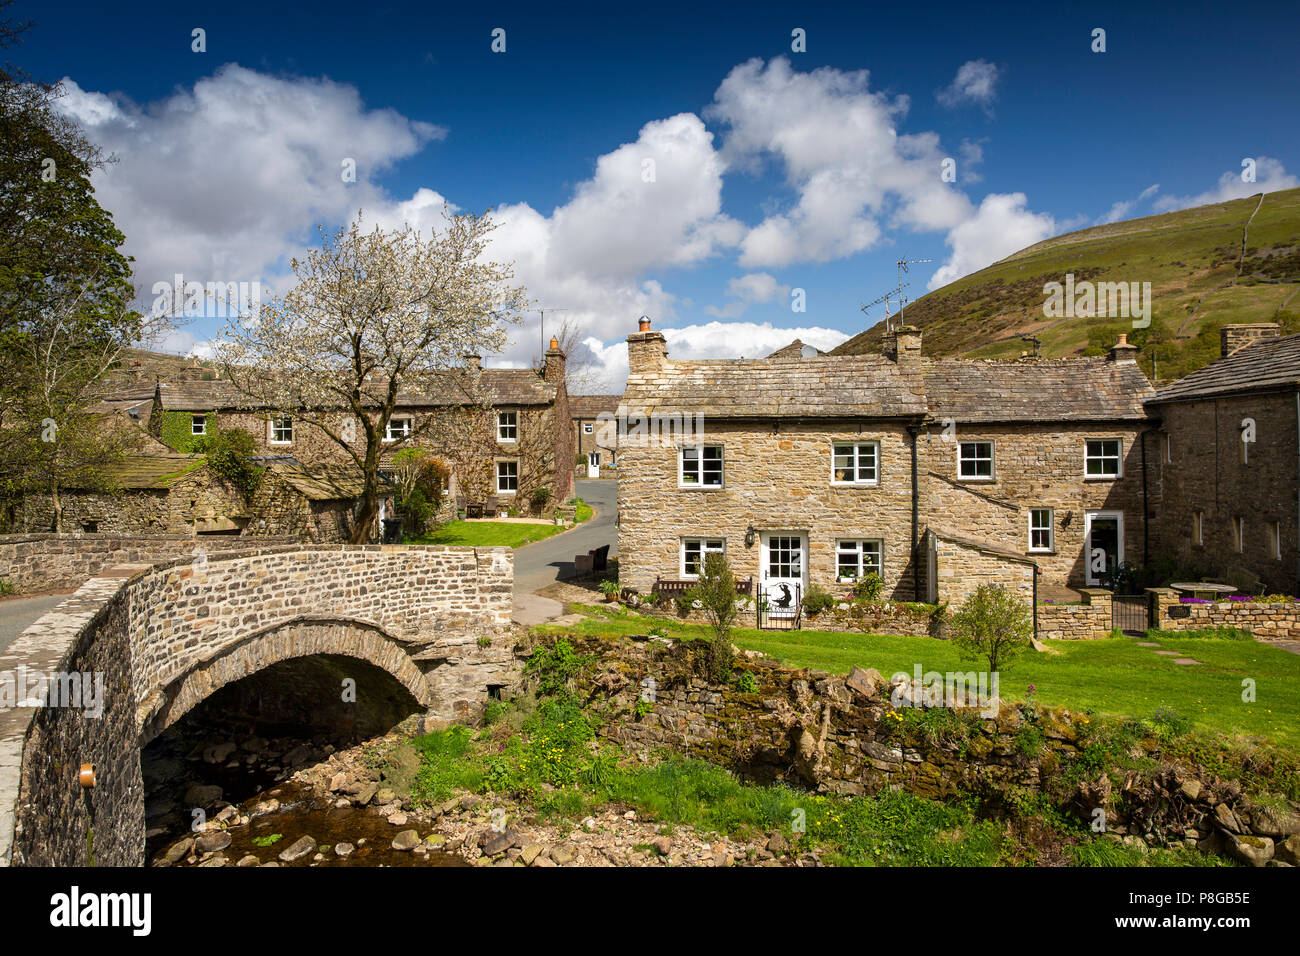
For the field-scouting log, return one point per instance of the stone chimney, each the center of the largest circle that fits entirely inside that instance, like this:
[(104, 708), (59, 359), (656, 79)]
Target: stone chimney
[(646, 350), (473, 362), (1121, 351), (902, 344), (1234, 338), (553, 371)]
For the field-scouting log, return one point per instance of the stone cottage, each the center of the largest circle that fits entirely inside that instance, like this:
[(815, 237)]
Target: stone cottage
[(595, 435), (1229, 459), (524, 448), (809, 469)]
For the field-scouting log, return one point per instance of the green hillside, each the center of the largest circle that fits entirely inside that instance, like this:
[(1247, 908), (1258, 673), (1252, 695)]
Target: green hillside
[(1200, 280)]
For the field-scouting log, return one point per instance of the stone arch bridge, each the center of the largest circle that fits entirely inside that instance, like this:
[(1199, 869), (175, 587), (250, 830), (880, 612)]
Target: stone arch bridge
[(432, 623)]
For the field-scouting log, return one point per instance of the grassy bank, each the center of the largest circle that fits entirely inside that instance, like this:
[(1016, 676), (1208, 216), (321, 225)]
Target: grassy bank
[(1112, 676), (488, 534), (543, 755)]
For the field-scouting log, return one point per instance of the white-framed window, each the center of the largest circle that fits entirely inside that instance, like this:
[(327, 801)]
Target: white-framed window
[(281, 431), (398, 428), (695, 551), (975, 460), (855, 463), (1103, 458), (507, 426), (1274, 530), (856, 557), (1198, 528), (198, 424), (1041, 530), (700, 466), (507, 477), (588, 428), (1239, 534)]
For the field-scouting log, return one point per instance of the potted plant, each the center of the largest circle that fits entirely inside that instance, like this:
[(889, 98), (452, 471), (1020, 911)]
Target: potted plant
[(609, 588)]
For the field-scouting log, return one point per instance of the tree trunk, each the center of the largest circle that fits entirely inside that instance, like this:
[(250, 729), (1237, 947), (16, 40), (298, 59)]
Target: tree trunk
[(363, 532), (56, 519)]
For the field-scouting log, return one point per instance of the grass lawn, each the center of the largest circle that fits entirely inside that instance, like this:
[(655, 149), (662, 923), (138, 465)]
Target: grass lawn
[(582, 511), (1111, 676), (488, 534)]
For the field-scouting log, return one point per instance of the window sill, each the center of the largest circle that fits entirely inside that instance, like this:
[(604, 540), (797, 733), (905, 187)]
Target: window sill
[(977, 481), (1102, 477), (699, 487), (1041, 551), (855, 484)]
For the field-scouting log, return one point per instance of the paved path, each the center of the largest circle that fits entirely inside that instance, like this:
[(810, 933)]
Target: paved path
[(17, 613), (538, 565)]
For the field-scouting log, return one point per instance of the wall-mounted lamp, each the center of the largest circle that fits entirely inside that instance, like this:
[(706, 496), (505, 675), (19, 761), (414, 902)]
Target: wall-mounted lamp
[(749, 536), (1069, 516)]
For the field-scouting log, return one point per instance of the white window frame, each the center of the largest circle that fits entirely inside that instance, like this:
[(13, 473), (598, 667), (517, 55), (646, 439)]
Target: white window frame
[(1089, 457), (498, 476), (512, 425), (856, 450), (706, 546), (1050, 547), (283, 423), (992, 460), (407, 420), (699, 457), (588, 428), (857, 546), (201, 421)]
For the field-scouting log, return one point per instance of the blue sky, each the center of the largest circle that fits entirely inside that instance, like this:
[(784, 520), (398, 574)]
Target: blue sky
[(775, 170)]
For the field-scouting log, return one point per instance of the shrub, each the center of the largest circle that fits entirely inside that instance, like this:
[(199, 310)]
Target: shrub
[(817, 600), (994, 624), (869, 587), (540, 498), (745, 683), (228, 452), (554, 668), (716, 593)]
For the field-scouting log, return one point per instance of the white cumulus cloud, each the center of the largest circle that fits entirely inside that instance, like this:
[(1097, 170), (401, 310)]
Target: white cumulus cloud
[(976, 82), (1270, 176)]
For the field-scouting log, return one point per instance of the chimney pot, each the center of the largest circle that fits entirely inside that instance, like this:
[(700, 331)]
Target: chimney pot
[(555, 343), (644, 323)]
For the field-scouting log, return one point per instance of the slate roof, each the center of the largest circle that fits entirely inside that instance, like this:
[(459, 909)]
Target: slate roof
[(152, 471), (1035, 389), (589, 406), (874, 386), (321, 482), (794, 350), (855, 385), (501, 386), (1264, 365)]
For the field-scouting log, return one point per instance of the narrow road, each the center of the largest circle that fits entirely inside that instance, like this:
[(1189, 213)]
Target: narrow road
[(19, 612), (543, 563)]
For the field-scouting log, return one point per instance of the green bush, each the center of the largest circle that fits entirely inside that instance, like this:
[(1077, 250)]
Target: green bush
[(993, 624), (869, 588), (228, 453), (716, 591), (817, 600), (554, 668)]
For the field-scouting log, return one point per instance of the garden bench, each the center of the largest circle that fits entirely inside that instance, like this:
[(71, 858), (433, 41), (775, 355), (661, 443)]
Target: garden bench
[(674, 587)]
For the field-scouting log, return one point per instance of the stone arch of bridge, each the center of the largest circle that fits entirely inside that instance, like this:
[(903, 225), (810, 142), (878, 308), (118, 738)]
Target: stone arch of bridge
[(285, 640)]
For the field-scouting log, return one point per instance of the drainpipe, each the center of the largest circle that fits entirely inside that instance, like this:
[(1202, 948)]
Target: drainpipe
[(1146, 508), (1297, 429), (915, 432), (1035, 567)]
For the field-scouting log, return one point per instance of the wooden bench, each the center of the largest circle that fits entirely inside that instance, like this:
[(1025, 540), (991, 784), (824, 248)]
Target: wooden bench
[(674, 587)]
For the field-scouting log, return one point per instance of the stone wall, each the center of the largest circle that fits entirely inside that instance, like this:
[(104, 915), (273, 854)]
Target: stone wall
[(46, 817), (961, 567), (193, 499), (50, 562), (841, 734), (1206, 472), (1085, 621), (1267, 621)]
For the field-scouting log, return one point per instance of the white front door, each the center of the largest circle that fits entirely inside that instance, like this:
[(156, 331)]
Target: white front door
[(783, 568), (1103, 535), (593, 464)]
